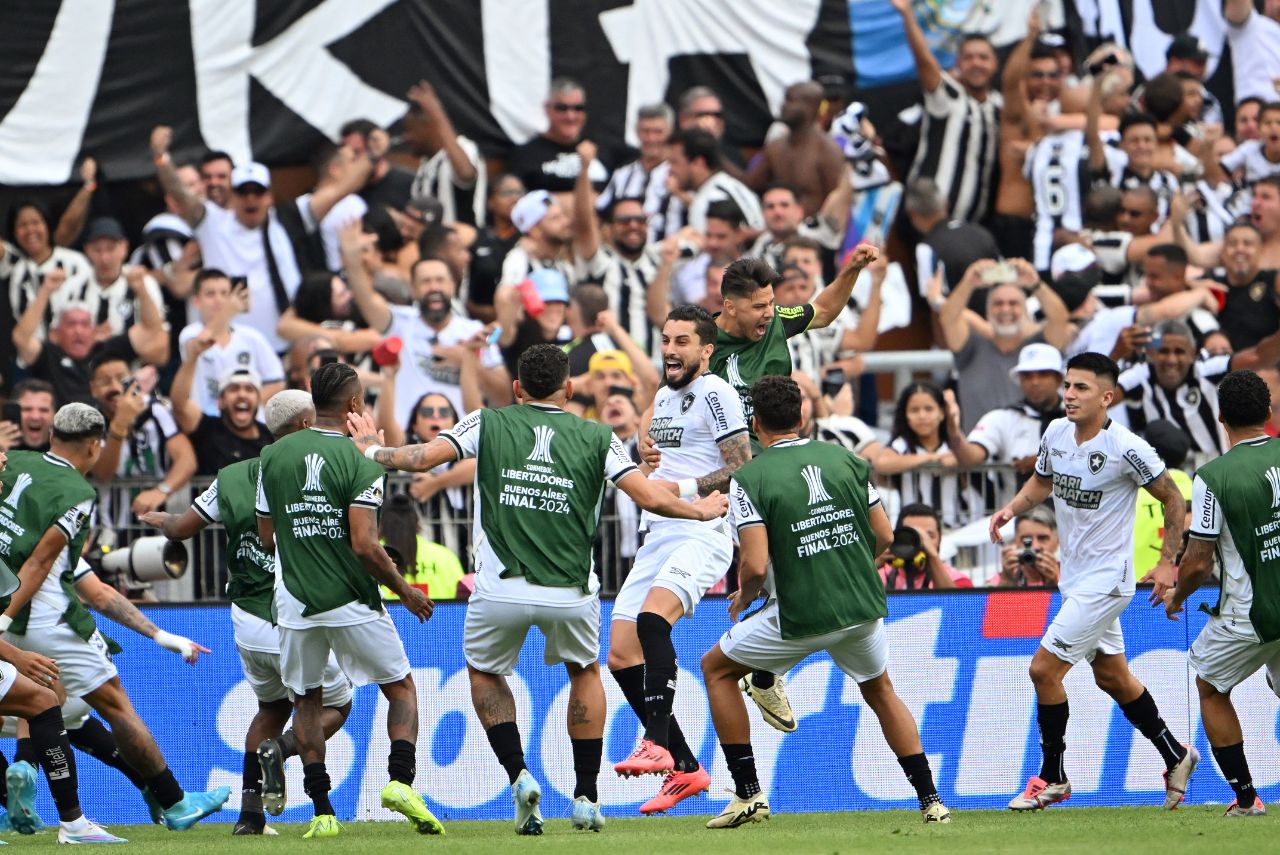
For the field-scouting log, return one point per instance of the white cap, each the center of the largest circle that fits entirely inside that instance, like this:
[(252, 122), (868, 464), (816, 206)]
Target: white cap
[(530, 210), (251, 173), (241, 374), (1037, 357), (1072, 258)]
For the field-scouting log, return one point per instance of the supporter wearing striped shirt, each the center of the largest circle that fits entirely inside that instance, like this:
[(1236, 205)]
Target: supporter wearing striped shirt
[(104, 292), (1173, 384), (961, 126), (784, 218), (1253, 158), (641, 178), (452, 169), (618, 257), (1132, 162), (696, 173), (699, 107), (1119, 229), (920, 465)]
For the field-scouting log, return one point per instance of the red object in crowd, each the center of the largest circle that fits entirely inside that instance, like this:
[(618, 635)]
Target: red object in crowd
[(388, 351), (533, 304)]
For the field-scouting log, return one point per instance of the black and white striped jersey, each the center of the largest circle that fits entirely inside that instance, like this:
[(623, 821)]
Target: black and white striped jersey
[(1058, 168), (1192, 405), (25, 278), (956, 495), (723, 186), (632, 181), (1163, 182), (626, 284), (462, 203), (959, 138)]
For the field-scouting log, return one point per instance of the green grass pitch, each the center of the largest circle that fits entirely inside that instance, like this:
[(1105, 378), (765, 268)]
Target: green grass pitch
[(1086, 830)]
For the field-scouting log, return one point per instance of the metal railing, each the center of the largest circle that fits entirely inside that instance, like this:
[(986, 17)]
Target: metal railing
[(905, 364), (965, 543)]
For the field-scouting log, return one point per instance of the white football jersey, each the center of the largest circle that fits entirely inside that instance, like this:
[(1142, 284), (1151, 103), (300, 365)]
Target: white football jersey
[(1095, 489), (1249, 157), (688, 426)]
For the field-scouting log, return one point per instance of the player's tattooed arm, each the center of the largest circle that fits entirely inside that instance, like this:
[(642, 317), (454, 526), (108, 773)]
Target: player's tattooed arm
[(113, 606), (1195, 569), (1164, 575), (736, 452), (417, 458), (410, 458), (1175, 508)]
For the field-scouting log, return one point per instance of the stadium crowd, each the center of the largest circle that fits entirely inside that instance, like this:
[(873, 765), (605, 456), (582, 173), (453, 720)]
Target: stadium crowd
[(1051, 207)]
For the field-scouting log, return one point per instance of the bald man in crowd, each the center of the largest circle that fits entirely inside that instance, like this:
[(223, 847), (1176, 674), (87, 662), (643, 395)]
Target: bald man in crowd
[(805, 158)]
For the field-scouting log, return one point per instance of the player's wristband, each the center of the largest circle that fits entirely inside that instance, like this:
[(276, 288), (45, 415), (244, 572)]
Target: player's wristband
[(688, 488), (5, 620), (372, 450)]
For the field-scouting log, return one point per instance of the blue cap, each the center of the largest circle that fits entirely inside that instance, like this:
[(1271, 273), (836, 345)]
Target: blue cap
[(551, 284)]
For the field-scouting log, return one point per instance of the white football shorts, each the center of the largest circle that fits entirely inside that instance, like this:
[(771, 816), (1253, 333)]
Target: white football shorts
[(687, 559)]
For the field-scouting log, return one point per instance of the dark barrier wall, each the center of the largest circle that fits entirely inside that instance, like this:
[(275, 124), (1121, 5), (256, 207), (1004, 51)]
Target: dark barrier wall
[(270, 79), (958, 660)]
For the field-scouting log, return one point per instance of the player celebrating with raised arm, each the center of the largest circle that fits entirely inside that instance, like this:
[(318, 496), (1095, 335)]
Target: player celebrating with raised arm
[(1235, 505), (696, 422), (1093, 468), (540, 475), (47, 510), (230, 500), (751, 342), (808, 510), (317, 509)]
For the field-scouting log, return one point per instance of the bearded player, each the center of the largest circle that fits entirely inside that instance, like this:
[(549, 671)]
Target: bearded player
[(540, 473), (751, 342), (696, 423), (317, 508)]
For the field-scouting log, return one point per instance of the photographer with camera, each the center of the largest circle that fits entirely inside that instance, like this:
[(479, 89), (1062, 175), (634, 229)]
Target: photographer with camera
[(1031, 561), (914, 561)]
